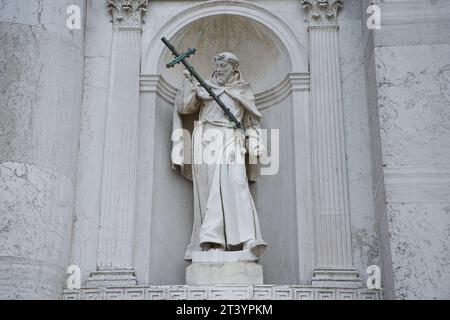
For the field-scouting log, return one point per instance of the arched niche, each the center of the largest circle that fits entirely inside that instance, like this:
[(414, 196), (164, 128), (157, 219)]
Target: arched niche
[(264, 59), (280, 66), (283, 33)]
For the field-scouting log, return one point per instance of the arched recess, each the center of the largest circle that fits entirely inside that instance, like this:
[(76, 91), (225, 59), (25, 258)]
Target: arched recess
[(264, 59), (284, 104), (249, 10)]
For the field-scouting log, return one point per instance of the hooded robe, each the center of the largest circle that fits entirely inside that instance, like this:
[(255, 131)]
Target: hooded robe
[(224, 211)]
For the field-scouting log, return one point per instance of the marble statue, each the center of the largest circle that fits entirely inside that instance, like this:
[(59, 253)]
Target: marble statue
[(225, 217)]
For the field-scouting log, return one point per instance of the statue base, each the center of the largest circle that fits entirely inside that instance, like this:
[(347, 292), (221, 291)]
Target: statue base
[(224, 268)]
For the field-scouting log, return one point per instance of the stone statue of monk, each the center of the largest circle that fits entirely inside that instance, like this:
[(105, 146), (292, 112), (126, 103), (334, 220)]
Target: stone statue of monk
[(225, 217)]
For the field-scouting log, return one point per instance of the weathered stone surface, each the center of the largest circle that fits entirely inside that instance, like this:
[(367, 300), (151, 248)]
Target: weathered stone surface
[(41, 72), (36, 213)]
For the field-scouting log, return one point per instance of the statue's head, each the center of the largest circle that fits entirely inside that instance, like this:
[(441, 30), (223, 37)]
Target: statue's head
[(226, 65)]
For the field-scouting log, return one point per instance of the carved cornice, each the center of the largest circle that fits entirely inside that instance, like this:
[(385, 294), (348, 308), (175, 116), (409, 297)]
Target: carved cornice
[(127, 14), (322, 12)]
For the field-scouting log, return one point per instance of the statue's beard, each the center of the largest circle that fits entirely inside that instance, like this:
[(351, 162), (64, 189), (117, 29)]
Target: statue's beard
[(221, 77)]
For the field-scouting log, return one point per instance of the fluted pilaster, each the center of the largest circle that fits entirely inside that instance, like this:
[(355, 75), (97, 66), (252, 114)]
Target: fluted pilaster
[(121, 142), (330, 185)]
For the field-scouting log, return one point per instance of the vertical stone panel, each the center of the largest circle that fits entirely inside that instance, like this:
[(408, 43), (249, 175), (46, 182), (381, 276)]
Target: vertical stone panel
[(115, 248), (407, 62), (119, 170)]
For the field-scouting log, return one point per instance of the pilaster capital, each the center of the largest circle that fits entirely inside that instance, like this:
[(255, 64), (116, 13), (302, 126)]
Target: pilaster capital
[(322, 12), (127, 14)]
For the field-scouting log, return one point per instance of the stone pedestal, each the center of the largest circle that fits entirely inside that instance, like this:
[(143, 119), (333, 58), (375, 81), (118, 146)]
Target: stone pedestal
[(224, 273), (224, 268)]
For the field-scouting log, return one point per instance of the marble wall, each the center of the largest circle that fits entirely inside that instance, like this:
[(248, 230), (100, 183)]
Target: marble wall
[(41, 72), (365, 240), (413, 100), (97, 57), (408, 58)]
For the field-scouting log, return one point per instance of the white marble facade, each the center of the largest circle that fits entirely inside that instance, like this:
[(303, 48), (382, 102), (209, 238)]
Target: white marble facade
[(364, 167)]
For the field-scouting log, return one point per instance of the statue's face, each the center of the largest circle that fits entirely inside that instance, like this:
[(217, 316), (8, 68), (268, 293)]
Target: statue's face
[(224, 70)]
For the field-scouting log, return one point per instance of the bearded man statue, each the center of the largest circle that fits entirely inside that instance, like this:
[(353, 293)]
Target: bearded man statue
[(225, 217)]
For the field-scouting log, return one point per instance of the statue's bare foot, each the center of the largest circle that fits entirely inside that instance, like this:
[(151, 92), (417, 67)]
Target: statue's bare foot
[(208, 246)]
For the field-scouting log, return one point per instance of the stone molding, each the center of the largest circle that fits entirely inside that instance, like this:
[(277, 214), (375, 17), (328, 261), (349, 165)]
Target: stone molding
[(417, 183), (251, 292), (264, 100)]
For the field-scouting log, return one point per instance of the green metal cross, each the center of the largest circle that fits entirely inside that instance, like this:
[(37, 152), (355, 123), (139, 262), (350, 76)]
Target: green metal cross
[(181, 58)]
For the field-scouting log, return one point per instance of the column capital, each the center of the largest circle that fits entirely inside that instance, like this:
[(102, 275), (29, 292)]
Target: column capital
[(127, 14), (322, 12)]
